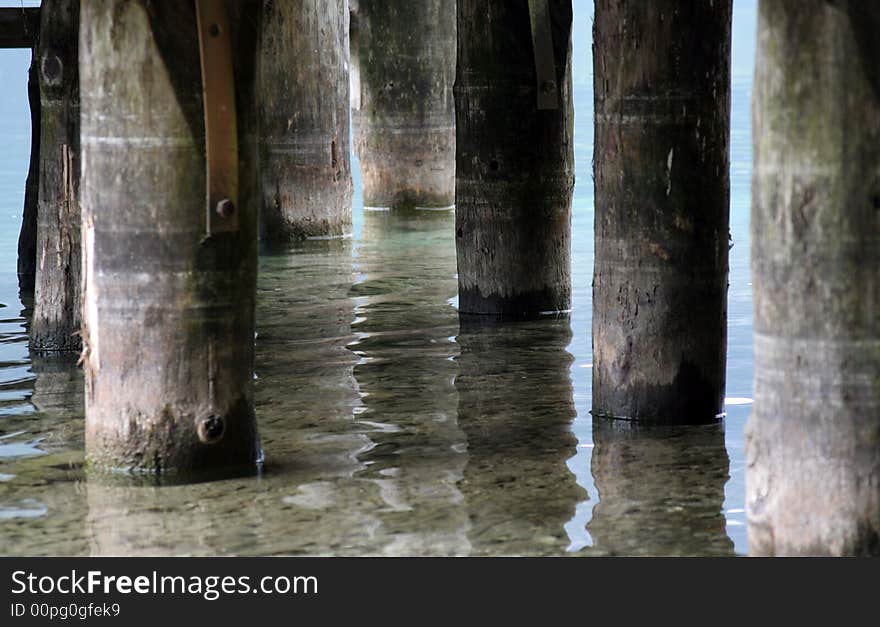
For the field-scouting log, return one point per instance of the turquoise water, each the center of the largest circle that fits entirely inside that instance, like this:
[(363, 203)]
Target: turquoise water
[(388, 429)]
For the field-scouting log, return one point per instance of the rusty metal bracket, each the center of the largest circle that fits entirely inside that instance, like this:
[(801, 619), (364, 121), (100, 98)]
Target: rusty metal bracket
[(221, 133), (545, 61)]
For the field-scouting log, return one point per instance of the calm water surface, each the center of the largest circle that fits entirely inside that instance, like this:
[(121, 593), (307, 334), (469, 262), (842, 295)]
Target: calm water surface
[(389, 428)]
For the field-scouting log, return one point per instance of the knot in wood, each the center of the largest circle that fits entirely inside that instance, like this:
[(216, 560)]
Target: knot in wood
[(211, 429)]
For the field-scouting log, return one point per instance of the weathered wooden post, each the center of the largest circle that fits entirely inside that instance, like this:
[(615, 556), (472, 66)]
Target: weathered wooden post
[(354, 65), (27, 238), (169, 240), (515, 157), (20, 28), (516, 407), (660, 489), (662, 112), (404, 115), (813, 439), (56, 321), (304, 105)]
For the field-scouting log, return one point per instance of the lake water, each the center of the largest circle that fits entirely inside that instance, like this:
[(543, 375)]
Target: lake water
[(388, 428)]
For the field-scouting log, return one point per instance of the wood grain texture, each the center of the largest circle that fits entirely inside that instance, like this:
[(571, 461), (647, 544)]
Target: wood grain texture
[(168, 310), (56, 321), (813, 439), (514, 164), (27, 237), (661, 168), (404, 124), (305, 123)]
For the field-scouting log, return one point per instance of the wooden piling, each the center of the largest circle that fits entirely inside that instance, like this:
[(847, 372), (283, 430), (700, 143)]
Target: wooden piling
[(19, 27), (27, 237), (514, 162), (169, 278), (404, 112), (813, 439), (662, 135), (56, 321), (304, 99)]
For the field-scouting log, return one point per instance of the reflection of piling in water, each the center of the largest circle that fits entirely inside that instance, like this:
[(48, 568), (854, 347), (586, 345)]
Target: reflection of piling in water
[(138, 521), (304, 124), (514, 158), (406, 270), (404, 52), (305, 389), (312, 511), (58, 386), (170, 265), (407, 258), (662, 85), (813, 440), (57, 312), (661, 489), (135, 522), (515, 407)]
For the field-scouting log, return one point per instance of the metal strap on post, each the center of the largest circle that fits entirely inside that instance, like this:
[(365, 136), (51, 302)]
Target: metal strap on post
[(545, 62), (221, 133)]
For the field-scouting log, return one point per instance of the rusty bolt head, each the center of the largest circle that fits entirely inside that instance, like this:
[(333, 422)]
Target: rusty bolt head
[(210, 429), (225, 208)]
